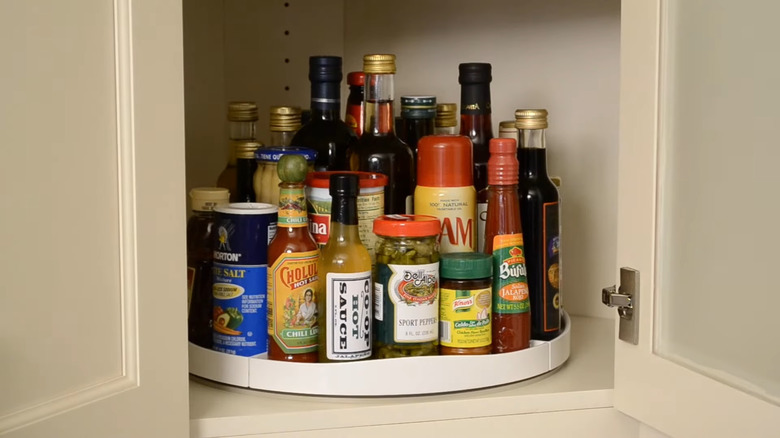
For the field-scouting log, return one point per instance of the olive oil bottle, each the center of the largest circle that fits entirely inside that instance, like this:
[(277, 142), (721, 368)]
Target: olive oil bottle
[(344, 294)]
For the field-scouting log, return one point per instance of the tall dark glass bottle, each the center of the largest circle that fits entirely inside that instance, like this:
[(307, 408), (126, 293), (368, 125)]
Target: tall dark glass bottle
[(325, 132), (417, 119), (246, 165), (242, 118), (540, 216), (476, 124), (379, 149)]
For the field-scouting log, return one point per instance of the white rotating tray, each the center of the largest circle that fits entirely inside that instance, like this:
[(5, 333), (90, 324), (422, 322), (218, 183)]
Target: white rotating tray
[(384, 377)]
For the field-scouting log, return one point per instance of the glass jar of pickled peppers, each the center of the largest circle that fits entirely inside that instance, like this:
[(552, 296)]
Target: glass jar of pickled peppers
[(406, 286)]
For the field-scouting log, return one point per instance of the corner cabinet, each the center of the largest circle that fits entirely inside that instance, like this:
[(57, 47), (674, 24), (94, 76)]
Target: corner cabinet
[(661, 114)]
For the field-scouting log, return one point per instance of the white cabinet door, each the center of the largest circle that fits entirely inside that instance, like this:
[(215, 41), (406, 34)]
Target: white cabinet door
[(698, 214), (93, 337)]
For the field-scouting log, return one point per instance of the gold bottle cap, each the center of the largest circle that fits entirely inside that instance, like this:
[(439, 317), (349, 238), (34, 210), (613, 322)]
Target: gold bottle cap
[(446, 115), (508, 129), (246, 149), (379, 64), (531, 119), (285, 118), (206, 198), (242, 112)]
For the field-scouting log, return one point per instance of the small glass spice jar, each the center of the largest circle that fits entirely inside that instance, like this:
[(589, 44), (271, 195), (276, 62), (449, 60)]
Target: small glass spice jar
[(465, 303), (406, 286)]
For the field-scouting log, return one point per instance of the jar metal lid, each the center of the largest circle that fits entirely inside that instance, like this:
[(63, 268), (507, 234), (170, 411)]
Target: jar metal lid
[(466, 265), (246, 208), (407, 225), (274, 154), (321, 180)]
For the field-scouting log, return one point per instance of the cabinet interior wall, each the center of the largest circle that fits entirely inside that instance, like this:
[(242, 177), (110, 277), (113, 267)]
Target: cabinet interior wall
[(561, 55)]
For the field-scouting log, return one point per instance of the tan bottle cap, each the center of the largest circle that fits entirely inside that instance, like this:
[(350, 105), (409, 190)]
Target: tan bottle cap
[(285, 118), (446, 114), (242, 112), (507, 129), (531, 119), (206, 198), (246, 149), (379, 64)]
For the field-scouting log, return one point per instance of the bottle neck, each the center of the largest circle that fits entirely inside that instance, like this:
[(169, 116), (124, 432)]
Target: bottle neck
[(475, 99), (343, 210), (282, 138), (243, 130), (532, 138), (325, 100), (531, 153), (292, 206), (379, 105), (245, 170)]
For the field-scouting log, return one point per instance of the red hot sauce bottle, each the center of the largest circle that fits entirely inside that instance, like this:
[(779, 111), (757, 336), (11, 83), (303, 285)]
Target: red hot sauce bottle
[(504, 241)]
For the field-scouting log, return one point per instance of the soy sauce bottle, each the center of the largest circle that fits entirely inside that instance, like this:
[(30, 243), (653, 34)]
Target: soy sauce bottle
[(540, 217)]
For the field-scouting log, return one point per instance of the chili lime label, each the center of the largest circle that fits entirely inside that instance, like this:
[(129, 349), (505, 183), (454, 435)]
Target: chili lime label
[(292, 306), (348, 315), (465, 318), (410, 303), (292, 207), (552, 242), (510, 285)]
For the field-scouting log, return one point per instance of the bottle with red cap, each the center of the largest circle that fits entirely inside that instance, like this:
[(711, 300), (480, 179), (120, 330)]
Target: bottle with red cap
[(445, 189), (511, 322)]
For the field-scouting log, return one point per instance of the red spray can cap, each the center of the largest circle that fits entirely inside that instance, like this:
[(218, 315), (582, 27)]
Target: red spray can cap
[(445, 161), (503, 167)]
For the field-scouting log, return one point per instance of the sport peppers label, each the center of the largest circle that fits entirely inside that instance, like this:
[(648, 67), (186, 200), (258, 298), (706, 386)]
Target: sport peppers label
[(292, 306), (348, 316), (552, 242), (510, 285), (409, 308), (465, 318)]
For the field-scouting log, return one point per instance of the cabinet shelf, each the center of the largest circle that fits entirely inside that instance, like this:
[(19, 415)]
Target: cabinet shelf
[(585, 381)]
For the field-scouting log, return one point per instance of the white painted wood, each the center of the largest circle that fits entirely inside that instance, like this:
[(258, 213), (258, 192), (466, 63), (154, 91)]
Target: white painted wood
[(92, 120), (589, 423), (584, 382), (559, 55), (670, 397)]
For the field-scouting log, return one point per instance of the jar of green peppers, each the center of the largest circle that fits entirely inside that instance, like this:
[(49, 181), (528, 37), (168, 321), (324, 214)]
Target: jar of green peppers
[(406, 286)]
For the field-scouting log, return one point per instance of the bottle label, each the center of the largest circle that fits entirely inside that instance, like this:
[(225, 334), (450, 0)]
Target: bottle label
[(319, 220), (481, 225), (292, 305), (465, 318), (456, 209), (510, 285), (552, 267), (410, 303), (190, 285), (348, 316), (292, 207), (369, 207)]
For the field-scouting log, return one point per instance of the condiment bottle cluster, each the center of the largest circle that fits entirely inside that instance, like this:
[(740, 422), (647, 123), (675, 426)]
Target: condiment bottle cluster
[(346, 241)]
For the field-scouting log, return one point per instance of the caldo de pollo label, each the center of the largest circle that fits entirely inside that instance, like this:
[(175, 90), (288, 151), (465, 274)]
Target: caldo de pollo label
[(510, 285)]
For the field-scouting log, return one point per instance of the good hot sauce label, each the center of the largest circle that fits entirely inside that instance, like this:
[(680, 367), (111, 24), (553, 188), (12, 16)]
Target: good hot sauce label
[(510, 285), (292, 208), (292, 305), (348, 315)]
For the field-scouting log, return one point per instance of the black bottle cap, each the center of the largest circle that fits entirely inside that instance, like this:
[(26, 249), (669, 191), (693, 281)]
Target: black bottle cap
[(474, 73), (325, 69), (344, 184)]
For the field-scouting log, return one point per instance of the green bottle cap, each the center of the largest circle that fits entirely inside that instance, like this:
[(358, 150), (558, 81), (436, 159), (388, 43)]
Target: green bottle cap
[(466, 265)]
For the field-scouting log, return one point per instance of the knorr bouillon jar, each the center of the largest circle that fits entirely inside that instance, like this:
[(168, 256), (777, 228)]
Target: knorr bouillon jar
[(465, 303), (406, 286)]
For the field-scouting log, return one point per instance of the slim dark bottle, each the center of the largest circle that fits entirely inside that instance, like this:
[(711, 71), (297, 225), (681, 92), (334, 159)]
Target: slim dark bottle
[(325, 132), (476, 124), (379, 149), (355, 113), (242, 119), (246, 165), (418, 114), (539, 213)]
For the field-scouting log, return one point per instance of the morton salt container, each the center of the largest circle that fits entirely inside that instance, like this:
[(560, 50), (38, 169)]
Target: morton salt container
[(445, 189), (243, 231)]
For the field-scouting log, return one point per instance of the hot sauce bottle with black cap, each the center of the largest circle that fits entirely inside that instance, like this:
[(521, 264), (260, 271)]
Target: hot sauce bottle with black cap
[(325, 132)]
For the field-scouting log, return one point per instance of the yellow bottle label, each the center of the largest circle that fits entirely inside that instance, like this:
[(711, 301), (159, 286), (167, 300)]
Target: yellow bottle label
[(456, 208), (465, 318), (292, 305)]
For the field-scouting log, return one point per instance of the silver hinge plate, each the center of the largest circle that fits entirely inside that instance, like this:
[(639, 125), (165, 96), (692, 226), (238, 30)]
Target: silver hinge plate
[(626, 299)]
